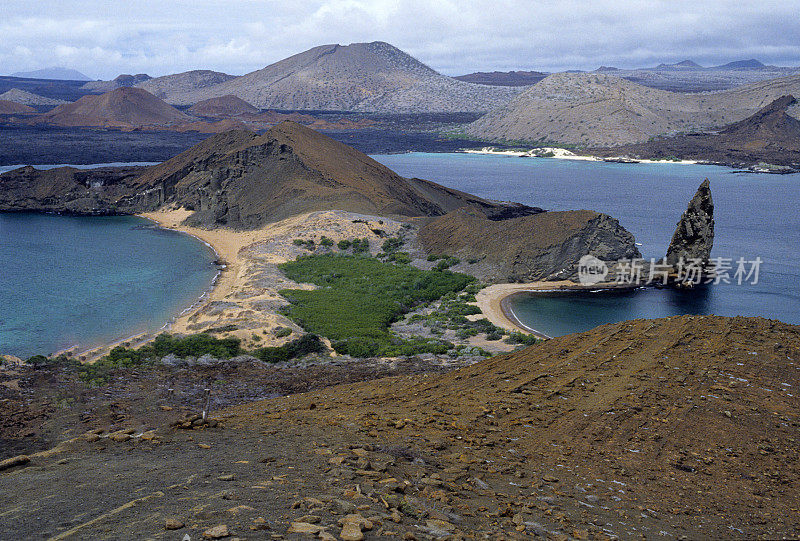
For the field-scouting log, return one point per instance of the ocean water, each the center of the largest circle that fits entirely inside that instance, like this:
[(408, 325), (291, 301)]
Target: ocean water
[(755, 216), (87, 281)]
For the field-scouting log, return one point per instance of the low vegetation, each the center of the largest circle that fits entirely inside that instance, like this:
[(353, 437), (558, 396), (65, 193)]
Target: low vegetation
[(195, 345), (358, 298)]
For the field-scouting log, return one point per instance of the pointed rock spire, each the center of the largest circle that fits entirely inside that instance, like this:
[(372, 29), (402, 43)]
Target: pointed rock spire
[(694, 235)]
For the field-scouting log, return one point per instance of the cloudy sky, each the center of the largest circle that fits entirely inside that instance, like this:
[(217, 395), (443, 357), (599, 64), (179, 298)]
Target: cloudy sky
[(105, 38)]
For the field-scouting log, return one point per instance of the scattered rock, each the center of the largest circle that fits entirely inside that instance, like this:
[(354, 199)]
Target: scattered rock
[(304, 527), (217, 532), (12, 462), (173, 523)]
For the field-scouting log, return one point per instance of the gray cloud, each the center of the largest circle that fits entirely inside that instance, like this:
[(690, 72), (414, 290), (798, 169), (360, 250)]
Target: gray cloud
[(103, 39)]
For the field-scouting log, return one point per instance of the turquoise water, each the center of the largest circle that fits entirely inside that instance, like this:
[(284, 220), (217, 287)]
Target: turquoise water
[(756, 216), (87, 281)]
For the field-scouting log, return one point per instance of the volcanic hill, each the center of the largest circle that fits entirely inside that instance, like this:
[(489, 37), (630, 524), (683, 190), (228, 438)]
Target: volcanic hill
[(188, 81), (11, 107), (122, 107), (373, 77), (243, 180), (596, 110), (117, 82), (28, 98), (224, 106)]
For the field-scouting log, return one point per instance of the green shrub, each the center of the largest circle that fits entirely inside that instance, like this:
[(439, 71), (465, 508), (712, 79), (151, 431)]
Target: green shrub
[(306, 344), (516, 337), (325, 241), (344, 244), (360, 246), (281, 332), (392, 244)]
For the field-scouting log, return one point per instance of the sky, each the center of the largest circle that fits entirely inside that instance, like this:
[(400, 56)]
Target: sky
[(106, 38)]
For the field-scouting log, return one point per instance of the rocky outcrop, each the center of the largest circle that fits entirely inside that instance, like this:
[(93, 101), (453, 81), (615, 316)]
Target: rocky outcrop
[(543, 246), (694, 235)]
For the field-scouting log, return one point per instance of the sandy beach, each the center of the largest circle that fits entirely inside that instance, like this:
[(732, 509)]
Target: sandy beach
[(564, 154), (494, 301)]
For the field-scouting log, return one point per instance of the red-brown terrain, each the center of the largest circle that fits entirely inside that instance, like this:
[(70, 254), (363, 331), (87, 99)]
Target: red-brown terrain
[(685, 427), (12, 108)]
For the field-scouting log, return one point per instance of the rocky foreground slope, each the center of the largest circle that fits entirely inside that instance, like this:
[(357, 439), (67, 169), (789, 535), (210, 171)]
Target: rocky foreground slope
[(375, 77), (685, 427), (595, 110)]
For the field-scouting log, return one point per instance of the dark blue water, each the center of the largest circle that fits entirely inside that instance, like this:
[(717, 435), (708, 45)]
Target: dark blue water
[(87, 281), (756, 216)]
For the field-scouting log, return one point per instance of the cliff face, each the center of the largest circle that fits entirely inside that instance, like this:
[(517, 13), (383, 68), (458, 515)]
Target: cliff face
[(543, 246), (67, 190)]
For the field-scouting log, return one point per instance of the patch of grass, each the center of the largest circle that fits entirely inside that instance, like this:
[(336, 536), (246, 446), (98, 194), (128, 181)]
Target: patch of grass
[(359, 298)]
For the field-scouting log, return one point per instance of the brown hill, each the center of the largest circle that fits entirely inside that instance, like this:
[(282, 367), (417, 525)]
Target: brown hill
[(769, 136), (243, 180), (224, 106), (597, 110), (683, 426), (12, 107), (542, 246), (123, 107), (357, 77)]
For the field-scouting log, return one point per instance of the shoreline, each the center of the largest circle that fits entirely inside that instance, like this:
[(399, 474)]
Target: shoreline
[(564, 154), (494, 301), (165, 221)]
